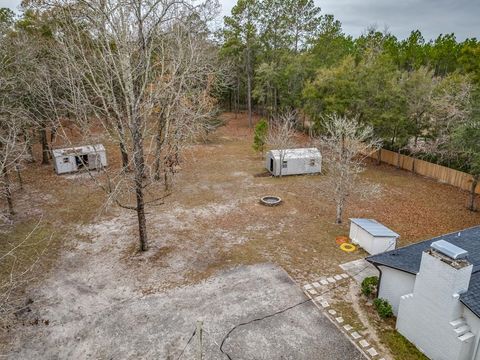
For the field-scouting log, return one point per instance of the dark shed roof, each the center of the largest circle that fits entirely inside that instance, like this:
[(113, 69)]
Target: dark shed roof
[(409, 257)]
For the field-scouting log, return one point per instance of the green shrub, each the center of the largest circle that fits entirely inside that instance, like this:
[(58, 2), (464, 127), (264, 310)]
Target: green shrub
[(260, 135), (383, 307), (369, 286)]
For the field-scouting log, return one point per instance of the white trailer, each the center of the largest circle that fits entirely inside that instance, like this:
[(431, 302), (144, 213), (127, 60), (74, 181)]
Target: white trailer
[(294, 161), (90, 157), (372, 236)]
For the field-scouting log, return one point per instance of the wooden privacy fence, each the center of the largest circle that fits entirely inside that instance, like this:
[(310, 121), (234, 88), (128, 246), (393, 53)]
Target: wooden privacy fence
[(441, 173)]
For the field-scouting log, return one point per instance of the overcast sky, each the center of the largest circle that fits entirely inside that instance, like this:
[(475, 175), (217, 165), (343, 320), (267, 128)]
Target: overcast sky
[(431, 17)]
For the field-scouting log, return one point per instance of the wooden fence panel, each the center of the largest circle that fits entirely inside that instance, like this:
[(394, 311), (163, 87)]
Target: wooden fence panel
[(441, 173)]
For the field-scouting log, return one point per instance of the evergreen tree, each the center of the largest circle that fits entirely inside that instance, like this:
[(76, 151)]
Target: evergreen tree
[(260, 136)]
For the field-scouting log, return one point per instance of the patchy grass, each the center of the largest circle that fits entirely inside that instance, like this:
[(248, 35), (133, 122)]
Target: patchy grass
[(349, 315), (400, 347), (21, 247), (30, 250)]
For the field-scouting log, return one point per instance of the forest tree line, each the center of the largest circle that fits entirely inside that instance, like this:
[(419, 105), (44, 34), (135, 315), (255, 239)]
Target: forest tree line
[(422, 97)]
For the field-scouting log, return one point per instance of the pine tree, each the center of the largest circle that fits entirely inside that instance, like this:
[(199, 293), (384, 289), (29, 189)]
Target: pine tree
[(260, 136)]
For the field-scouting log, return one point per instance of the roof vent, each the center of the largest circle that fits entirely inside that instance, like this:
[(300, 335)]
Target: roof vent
[(448, 249)]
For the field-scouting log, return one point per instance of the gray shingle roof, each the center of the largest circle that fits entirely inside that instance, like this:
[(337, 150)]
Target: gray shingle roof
[(471, 298), (374, 227), (409, 257)]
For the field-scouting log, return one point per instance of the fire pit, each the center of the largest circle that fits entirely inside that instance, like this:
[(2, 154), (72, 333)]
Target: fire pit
[(270, 200)]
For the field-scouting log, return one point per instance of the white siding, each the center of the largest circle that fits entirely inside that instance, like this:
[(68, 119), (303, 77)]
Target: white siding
[(424, 316), (306, 163), (63, 167), (394, 284), (371, 244), (474, 322), (383, 244), (359, 236)]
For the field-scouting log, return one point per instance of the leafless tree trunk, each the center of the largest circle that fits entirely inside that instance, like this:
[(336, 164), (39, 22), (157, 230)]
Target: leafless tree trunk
[(45, 147), (139, 163), (158, 150), (19, 174), (345, 145), (122, 145), (281, 135), (339, 210), (28, 144), (124, 153), (8, 191), (249, 94), (11, 153)]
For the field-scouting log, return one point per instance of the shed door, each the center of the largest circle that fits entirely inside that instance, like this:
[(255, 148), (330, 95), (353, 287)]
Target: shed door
[(271, 164), (94, 161)]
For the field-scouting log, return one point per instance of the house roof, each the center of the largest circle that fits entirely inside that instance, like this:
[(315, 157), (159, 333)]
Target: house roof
[(374, 228), (88, 149), (297, 153), (409, 257)]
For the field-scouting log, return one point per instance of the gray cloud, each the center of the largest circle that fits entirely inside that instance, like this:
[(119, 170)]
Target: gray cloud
[(431, 17), (11, 4)]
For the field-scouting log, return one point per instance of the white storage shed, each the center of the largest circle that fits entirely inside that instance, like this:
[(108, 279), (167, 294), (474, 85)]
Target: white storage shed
[(294, 161), (372, 236), (74, 159)]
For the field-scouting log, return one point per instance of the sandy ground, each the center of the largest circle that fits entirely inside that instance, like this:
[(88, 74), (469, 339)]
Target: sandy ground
[(212, 222)]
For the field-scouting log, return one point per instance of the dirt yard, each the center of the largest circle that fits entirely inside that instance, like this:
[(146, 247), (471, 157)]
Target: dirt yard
[(212, 222)]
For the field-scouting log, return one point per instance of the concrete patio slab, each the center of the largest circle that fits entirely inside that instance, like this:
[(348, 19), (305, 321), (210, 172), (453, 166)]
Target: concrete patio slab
[(159, 326), (359, 269)]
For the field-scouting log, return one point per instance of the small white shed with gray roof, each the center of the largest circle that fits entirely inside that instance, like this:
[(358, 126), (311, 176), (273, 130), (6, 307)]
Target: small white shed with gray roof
[(294, 161), (90, 157), (372, 236)]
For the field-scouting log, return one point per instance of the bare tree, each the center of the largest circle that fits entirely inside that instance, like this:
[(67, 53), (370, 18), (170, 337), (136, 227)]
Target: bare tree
[(190, 74), (12, 121), (37, 88), (139, 68), (345, 146), (12, 151), (281, 135)]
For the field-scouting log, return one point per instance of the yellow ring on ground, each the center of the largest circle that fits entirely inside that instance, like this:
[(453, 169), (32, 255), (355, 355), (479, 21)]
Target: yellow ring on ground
[(348, 247)]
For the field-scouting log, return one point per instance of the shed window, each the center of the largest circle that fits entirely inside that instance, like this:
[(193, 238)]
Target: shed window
[(284, 164), (66, 160), (312, 162)]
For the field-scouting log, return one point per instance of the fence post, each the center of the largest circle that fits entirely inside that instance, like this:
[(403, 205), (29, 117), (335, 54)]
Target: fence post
[(379, 156), (199, 340)]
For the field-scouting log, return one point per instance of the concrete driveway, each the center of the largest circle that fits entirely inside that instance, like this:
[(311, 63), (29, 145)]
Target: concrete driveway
[(159, 326)]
